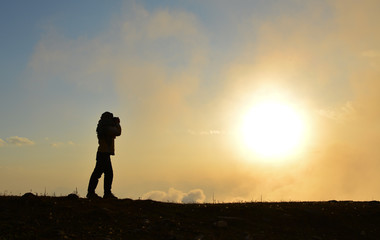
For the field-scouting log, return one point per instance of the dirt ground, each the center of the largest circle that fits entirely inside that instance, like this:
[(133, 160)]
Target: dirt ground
[(31, 217)]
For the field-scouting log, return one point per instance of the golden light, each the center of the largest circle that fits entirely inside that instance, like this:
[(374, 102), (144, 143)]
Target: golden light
[(272, 130)]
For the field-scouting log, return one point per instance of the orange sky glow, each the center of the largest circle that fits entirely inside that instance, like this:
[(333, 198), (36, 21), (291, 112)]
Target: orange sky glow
[(199, 93)]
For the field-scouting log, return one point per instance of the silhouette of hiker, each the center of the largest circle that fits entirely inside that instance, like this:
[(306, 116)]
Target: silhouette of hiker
[(107, 130)]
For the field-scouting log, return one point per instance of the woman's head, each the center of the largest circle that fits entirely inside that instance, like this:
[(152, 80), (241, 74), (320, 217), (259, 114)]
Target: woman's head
[(106, 116)]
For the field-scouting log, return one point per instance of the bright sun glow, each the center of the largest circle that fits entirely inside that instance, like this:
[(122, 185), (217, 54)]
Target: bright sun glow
[(272, 129)]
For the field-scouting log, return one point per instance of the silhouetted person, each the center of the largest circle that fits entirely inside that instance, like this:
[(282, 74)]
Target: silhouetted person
[(107, 130)]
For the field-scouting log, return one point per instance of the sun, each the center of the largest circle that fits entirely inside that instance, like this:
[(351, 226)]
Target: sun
[(272, 130)]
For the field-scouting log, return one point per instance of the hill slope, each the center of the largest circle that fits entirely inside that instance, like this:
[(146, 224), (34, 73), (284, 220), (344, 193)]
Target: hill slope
[(31, 217)]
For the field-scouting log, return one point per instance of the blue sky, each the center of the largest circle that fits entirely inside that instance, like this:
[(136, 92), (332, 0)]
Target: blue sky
[(24, 24), (181, 75)]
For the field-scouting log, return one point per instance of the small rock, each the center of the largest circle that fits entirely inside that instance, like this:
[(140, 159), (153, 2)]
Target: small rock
[(72, 196), (28, 195)]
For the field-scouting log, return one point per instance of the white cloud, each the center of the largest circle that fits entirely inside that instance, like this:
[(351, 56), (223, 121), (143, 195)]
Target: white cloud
[(174, 195), (194, 196), (156, 195), (19, 141)]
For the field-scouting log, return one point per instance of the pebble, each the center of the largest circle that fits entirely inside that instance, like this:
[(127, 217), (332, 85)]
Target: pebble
[(72, 196)]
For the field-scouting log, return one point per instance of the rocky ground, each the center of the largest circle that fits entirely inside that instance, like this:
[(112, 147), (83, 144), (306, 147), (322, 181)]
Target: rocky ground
[(31, 217)]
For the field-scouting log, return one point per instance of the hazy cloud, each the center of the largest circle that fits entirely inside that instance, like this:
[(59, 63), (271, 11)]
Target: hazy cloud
[(19, 141), (344, 113), (329, 64), (371, 53), (61, 144), (153, 59), (323, 56), (209, 132), (173, 195), (194, 196)]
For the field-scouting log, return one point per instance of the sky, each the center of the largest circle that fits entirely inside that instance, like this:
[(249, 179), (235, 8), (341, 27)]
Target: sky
[(182, 75)]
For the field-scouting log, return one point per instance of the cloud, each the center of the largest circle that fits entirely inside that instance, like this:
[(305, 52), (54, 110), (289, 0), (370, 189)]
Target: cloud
[(194, 196), (209, 132), (152, 59), (19, 141), (323, 55), (342, 114), (160, 70), (61, 144), (173, 195)]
